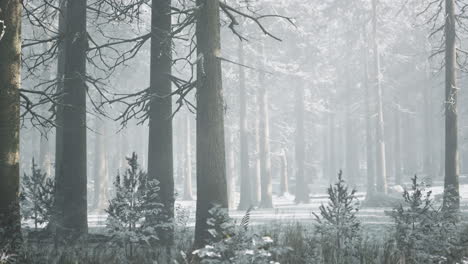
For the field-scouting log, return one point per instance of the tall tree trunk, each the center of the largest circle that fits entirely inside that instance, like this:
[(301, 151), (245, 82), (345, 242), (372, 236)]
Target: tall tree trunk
[(451, 185), (302, 191), (44, 154), (59, 192), (284, 181), (100, 167), (160, 152), (73, 176), (349, 134), (381, 172), (369, 145), (246, 190), (10, 81), (211, 160), (188, 195), (332, 153), (265, 161), (428, 133), (397, 126), (256, 185), (231, 164)]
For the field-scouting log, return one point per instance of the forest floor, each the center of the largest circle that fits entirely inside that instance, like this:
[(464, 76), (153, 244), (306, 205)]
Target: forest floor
[(287, 211)]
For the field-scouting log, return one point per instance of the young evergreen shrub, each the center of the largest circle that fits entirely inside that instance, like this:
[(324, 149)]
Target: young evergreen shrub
[(338, 226), (236, 244), (37, 196), (424, 232), (135, 201)]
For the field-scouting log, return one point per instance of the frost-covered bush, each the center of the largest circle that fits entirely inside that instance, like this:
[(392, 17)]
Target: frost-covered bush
[(37, 199), (425, 232), (338, 226), (236, 244), (135, 201)]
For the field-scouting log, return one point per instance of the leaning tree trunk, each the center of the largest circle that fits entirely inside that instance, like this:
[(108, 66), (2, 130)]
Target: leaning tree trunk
[(73, 179), (451, 185), (302, 192), (380, 138), (10, 81), (265, 161), (211, 161), (160, 159), (188, 195), (245, 181)]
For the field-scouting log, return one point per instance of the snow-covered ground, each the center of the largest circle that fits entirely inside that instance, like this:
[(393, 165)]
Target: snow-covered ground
[(286, 211)]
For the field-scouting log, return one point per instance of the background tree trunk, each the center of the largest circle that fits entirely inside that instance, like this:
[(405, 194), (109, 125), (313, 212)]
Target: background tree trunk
[(188, 195), (246, 190), (284, 181), (451, 190), (10, 81), (302, 192), (381, 172), (59, 194), (398, 169), (257, 182), (265, 161), (73, 166), (160, 149), (100, 167), (369, 145), (211, 161)]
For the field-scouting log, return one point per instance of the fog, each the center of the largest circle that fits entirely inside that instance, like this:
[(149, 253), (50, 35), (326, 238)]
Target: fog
[(338, 117)]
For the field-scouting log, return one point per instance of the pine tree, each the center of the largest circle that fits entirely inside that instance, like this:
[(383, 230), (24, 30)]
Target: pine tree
[(338, 224), (132, 210), (37, 196)]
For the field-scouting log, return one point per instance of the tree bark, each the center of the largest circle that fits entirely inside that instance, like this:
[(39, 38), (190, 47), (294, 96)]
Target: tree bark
[(73, 177), (381, 172), (246, 190), (100, 167), (211, 160), (369, 146), (44, 154), (160, 149), (451, 185), (302, 192), (10, 81), (231, 166), (284, 181), (188, 195), (257, 182), (265, 161), (332, 153), (398, 169), (57, 213)]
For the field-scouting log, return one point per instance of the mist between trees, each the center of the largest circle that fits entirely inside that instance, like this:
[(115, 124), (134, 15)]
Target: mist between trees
[(179, 130)]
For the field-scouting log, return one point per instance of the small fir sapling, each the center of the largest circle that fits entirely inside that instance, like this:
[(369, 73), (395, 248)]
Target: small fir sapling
[(235, 243), (424, 231), (337, 224), (135, 200), (37, 196)]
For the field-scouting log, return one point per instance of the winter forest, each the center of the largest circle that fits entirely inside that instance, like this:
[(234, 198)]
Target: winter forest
[(233, 131)]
